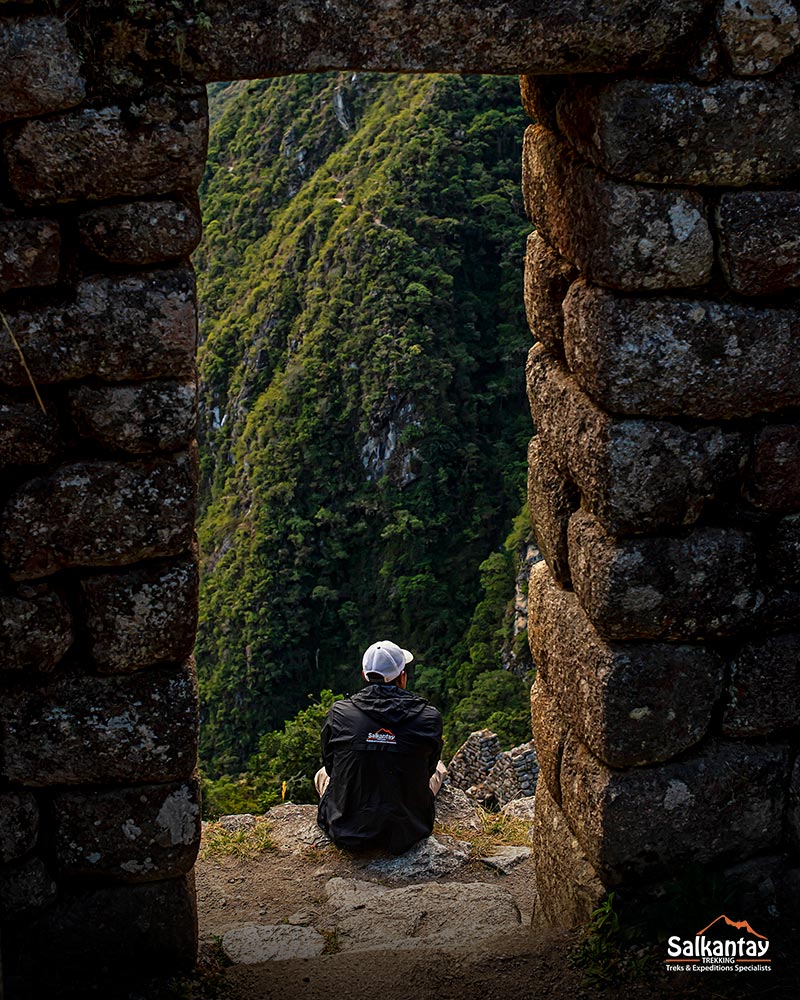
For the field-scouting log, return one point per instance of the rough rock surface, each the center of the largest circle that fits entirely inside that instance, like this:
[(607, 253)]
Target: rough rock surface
[(368, 916), (764, 689), (252, 41), (28, 436), (139, 834), (504, 859), (696, 358), (474, 759), (39, 69), (139, 418), (455, 809), (101, 730), (36, 629), (520, 808), (25, 886), (734, 132), (141, 232), (151, 926), (155, 147), (141, 617), (635, 475), (773, 477), (622, 235), (668, 587), (549, 733), (758, 34), (294, 827), (99, 514), (552, 499), (29, 253), (255, 943), (568, 887), (133, 326), (649, 821), (19, 824), (631, 703), (547, 279), (782, 555), (759, 240), (435, 856)]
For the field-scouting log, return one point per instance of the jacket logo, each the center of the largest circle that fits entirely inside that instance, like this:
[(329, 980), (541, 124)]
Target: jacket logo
[(382, 736)]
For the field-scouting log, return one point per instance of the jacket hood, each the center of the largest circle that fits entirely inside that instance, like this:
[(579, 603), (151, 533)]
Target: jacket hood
[(387, 702)]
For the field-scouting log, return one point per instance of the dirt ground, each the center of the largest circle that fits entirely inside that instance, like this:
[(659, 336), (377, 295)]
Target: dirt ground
[(277, 887)]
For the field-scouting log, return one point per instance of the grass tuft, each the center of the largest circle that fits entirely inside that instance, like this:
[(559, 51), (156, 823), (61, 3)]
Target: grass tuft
[(218, 842), (497, 830)]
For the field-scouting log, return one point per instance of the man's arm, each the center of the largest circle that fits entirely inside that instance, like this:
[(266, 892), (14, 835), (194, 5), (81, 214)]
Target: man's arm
[(436, 755), (325, 740)]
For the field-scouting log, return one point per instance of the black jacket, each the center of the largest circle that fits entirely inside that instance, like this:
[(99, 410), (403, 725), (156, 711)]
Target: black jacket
[(379, 747)]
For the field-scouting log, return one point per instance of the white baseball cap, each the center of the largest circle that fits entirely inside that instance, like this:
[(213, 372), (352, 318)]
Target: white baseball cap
[(385, 658)]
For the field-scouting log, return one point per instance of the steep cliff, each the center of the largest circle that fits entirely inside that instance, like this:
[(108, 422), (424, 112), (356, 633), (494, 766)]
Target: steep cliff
[(362, 409)]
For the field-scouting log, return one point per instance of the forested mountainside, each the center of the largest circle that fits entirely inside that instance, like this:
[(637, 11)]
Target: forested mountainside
[(363, 423)]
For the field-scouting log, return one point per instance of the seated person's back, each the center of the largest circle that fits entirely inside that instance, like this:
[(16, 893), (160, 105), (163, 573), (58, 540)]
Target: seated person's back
[(381, 750)]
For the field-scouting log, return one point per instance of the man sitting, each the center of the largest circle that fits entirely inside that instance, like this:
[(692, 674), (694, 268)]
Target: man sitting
[(381, 751)]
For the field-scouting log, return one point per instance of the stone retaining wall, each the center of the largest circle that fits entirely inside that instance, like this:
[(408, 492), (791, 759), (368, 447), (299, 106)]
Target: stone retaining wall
[(661, 286)]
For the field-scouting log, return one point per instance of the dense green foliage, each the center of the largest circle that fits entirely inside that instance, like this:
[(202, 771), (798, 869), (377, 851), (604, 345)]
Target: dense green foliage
[(362, 407)]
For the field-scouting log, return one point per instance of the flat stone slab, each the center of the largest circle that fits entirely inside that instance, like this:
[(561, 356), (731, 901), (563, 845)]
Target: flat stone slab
[(294, 827), (503, 859), (256, 943), (369, 916)]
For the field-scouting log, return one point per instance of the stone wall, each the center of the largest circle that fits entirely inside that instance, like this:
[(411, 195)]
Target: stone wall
[(664, 478), (661, 288), (490, 775)]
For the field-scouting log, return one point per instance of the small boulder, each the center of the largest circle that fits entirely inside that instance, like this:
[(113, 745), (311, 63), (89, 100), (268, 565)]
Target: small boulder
[(256, 943)]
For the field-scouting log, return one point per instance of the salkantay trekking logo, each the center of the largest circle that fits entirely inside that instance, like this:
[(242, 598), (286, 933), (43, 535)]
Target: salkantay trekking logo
[(382, 736), (724, 946)]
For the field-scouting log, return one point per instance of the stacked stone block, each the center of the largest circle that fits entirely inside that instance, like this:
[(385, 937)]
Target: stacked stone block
[(490, 775), (663, 485), (99, 799)]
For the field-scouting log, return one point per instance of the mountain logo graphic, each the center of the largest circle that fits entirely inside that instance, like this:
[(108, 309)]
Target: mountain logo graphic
[(382, 736), (721, 946)]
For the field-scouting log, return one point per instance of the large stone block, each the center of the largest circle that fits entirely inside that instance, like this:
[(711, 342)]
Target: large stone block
[(693, 358), (539, 97), (138, 418), (80, 729), (782, 553), (135, 326), (695, 585), (135, 931), (773, 477), (30, 252), (551, 501), (139, 834), (25, 887), (759, 240), (549, 734), (634, 475), (567, 887), (630, 703), (734, 132), (28, 436), (720, 805), (39, 69), (100, 514), (622, 235), (141, 232), (19, 824), (155, 147), (36, 628), (757, 35), (764, 689), (254, 39), (547, 280), (145, 616)]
